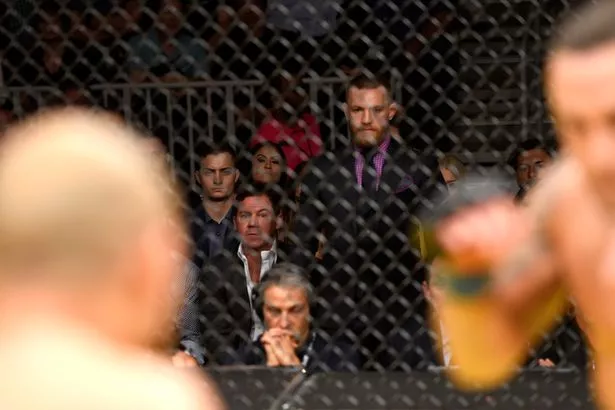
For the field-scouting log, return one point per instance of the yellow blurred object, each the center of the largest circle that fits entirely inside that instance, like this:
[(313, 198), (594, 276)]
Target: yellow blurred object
[(485, 358), (418, 241)]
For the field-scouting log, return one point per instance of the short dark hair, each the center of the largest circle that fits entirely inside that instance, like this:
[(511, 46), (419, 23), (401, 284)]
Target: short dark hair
[(252, 189), (206, 150), (524, 146), (368, 81), (588, 26)]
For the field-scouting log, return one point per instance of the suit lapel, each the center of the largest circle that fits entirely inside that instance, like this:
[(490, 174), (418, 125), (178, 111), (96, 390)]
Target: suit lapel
[(393, 173), (241, 285), (350, 190), (347, 177)]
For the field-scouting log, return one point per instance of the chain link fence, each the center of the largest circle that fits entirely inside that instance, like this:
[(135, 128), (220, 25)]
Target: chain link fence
[(248, 98)]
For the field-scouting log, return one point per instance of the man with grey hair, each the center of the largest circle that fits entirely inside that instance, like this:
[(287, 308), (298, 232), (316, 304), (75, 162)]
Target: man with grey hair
[(283, 300)]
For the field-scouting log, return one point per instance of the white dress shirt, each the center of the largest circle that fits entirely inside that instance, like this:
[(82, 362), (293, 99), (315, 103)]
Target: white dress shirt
[(268, 258)]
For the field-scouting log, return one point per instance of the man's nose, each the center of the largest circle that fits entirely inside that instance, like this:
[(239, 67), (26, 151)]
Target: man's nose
[(217, 178), (252, 221), (284, 322), (367, 116), (268, 164)]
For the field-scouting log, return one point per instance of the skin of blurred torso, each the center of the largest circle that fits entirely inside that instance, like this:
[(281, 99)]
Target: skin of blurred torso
[(581, 93)]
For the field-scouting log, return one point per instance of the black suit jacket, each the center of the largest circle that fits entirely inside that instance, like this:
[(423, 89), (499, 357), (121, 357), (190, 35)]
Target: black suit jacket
[(225, 304), (369, 269)]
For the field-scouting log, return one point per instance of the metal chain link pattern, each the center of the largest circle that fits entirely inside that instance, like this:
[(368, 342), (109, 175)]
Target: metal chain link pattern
[(466, 76)]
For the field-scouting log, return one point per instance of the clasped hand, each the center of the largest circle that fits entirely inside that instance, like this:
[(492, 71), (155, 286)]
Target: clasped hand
[(280, 348)]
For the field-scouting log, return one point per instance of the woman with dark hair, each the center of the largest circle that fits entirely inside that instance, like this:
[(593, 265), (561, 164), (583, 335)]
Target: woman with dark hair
[(268, 165)]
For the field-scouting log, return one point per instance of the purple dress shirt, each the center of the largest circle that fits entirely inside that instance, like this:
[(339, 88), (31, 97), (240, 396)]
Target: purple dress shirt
[(378, 159)]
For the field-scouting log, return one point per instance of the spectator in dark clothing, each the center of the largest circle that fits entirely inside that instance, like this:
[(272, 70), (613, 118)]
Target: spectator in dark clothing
[(228, 279), (528, 160), (283, 299), (361, 200), (212, 223)]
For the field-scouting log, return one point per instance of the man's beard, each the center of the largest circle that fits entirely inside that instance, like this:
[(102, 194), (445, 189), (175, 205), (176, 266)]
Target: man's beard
[(372, 141)]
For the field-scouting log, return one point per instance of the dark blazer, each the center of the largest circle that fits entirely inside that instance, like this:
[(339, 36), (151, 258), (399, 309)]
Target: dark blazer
[(370, 277), (324, 357), (225, 304)]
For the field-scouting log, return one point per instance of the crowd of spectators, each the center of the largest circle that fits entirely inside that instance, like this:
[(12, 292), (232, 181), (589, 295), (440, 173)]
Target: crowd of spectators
[(342, 218), (301, 255)]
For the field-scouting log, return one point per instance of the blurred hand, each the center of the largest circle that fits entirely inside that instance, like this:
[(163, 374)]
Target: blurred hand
[(183, 359), (480, 238)]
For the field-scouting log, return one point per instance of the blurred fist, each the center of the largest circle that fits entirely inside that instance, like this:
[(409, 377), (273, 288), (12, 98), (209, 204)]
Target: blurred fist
[(481, 237)]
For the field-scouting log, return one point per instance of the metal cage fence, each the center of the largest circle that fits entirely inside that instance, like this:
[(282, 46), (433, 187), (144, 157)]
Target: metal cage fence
[(197, 74)]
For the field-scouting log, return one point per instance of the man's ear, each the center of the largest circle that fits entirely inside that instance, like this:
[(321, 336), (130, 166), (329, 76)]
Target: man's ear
[(237, 175), (393, 109)]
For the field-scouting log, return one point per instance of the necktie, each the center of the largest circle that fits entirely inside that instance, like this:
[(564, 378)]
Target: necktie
[(369, 174)]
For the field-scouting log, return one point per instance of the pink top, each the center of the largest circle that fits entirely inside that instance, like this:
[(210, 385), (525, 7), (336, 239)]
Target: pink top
[(299, 142)]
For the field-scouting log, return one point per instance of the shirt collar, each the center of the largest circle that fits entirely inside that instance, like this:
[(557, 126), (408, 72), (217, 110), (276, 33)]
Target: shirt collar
[(271, 253), (228, 217)]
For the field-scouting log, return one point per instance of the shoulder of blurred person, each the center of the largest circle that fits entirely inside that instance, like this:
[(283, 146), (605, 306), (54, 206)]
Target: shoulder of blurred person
[(95, 370)]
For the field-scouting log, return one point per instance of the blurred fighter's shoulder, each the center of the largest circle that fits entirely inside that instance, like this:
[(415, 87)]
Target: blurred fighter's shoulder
[(51, 367)]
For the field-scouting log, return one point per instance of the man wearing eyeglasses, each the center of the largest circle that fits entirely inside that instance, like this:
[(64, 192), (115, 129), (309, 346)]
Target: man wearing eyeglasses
[(212, 223)]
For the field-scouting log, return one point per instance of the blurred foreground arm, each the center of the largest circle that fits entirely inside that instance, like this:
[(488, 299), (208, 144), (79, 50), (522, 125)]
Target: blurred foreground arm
[(501, 287)]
